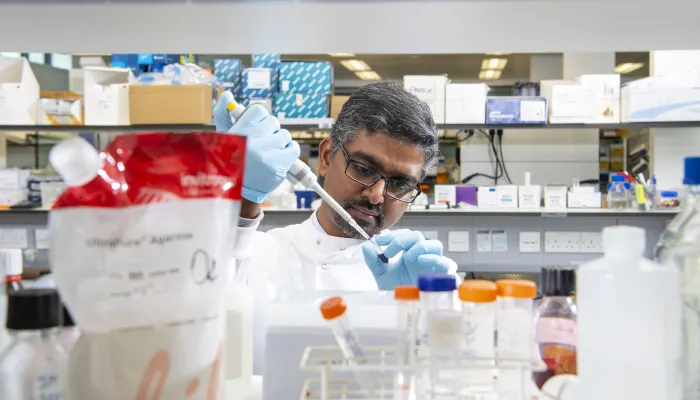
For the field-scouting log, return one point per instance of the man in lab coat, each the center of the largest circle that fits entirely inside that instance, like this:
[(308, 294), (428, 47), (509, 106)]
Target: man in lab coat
[(382, 144)]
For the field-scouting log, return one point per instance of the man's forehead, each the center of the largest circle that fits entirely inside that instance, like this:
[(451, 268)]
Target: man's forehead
[(392, 155)]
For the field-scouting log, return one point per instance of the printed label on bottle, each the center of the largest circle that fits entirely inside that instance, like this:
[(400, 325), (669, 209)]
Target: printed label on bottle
[(48, 384), (557, 345)]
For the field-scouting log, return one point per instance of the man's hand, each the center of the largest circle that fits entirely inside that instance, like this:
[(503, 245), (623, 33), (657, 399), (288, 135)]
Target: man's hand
[(271, 150), (419, 257)]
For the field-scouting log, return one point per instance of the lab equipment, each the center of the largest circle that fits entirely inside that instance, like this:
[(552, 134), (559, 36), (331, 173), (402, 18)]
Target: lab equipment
[(34, 365), (238, 345), (555, 323), (628, 322), (407, 317), (333, 311), (514, 326), (618, 197), (69, 332), (678, 250), (442, 175), (300, 173), (439, 334), (163, 312), (419, 256), (479, 318), (669, 199), (12, 262)]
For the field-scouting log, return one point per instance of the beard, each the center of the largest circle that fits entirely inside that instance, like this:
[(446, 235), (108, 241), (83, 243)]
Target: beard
[(371, 229)]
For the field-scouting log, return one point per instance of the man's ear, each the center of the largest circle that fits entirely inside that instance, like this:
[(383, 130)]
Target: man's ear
[(325, 150)]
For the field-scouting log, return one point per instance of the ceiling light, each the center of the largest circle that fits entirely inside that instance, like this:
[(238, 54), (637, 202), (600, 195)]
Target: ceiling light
[(494, 63), (368, 75), (497, 54), (626, 68), (355, 65), (341, 54), (489, 74)]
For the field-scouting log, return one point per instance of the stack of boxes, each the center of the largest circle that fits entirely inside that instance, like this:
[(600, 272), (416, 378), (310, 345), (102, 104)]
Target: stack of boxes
[(149, 62), (304, 90), (592, 99), (228, 70), (259, 84)]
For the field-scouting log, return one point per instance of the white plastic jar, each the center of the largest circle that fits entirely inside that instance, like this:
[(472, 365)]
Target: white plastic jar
[(478, 339), (514, 326)]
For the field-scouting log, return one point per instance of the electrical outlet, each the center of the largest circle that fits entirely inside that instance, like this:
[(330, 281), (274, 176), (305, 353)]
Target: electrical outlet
[(13, 238), (562, 242), (591, 242)]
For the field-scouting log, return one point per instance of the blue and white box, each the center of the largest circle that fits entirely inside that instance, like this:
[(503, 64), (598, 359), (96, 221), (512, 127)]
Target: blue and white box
[(306, 77), (228, 70), (301, 105), (516, 110), (256, 82), (661, 98), (272, 61), (265, 102)]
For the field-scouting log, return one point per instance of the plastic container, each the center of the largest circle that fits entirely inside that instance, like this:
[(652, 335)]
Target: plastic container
[(407, 313), (679, 249), (334, 311), (617, 193), (479, 327), (12, 262), (555, 324), (514, 326), (443, 173), (668, 199), (69, 332), (34, 365), (238, 350), (628, 322)]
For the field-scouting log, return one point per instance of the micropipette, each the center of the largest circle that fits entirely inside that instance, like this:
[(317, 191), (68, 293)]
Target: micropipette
[(301, 173)]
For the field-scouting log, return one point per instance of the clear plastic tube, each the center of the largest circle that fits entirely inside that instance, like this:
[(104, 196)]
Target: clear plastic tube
[(407, 315), (334, 311)]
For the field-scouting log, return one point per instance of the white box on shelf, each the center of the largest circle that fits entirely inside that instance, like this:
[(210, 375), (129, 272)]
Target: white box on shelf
[(660, 98), (446, 194), (602, 93), (486, 197), (507, 196), (431, 90), (566, 101), (9, 197), (107, 95), (530, 196), (583, 197), (465, 103), (12, 179), (19, 92), (555, 197)]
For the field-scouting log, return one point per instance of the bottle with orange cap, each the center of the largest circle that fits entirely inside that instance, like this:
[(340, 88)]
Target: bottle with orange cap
[(479, 318), (407, 317), (514, 327), (334, 310)]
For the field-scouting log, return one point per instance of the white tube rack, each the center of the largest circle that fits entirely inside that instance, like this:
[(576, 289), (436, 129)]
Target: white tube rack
[(336, 382)]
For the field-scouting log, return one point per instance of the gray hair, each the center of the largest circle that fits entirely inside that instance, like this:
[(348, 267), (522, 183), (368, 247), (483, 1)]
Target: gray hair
[(387, 108)]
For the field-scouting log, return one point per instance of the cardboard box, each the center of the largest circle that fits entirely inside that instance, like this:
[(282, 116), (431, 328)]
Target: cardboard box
[(337, 103), (301, 106), (507, 196), (566, 101), (668, 98), (272, 61), (465, 103), (587, 199), (306, 77), (431, 90), (555, 197), (487, 197), (170, 104), (446, 194), (10, 197), (256, 82), (107, 95), (228, 70), (602, 93), (19, 92), (529, 196), (516, 110), (14, 178), (60, 112)]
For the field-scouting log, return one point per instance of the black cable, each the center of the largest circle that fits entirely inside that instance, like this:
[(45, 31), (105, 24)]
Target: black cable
[(500, 149), (497, 174)]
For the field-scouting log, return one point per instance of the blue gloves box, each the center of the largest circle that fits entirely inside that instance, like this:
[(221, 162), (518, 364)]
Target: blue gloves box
[(516, 110), (306, 77), (228, 70), (256, 82), (272, 61), (301, 105)]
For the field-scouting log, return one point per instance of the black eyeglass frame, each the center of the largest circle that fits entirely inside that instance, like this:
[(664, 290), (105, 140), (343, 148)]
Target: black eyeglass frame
[(349, 160)]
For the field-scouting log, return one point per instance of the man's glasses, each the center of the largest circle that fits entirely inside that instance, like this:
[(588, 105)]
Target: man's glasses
[(365, 175)]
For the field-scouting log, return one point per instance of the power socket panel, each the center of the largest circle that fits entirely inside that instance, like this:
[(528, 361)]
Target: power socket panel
[(562, 242), (592, 242)]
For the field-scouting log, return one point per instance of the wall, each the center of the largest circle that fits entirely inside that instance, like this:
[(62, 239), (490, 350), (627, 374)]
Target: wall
[(325, 27), (50, 78)]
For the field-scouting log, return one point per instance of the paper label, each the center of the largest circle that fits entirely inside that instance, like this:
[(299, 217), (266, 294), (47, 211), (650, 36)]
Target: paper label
[(258, 79), (483, 241), (48, 384), (532, 111)]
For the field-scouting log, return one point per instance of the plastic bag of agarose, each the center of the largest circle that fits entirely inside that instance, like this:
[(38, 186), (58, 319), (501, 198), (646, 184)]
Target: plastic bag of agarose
[(140, 245)]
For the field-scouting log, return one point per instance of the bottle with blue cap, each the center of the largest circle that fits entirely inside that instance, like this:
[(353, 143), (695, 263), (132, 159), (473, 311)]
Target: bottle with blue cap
[(679, 248), (618, 194), (440, 334)]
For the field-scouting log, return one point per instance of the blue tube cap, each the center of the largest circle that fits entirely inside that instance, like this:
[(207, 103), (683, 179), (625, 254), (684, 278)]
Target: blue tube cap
[(617, 178), (691, 171), (437, 283)]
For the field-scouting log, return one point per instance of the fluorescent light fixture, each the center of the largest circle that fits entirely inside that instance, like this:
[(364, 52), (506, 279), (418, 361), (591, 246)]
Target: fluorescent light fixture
[(355, 65), (497, 54), (626, 68), (494, 63), (341, 54), (489, 74), (11, 55), (368, 75)]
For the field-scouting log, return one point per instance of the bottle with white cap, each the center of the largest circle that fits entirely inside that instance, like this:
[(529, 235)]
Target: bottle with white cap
[(628, 322), (76, 161)]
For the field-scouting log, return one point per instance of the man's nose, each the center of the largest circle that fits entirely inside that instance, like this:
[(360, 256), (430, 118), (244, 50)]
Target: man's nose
[(375, 193)]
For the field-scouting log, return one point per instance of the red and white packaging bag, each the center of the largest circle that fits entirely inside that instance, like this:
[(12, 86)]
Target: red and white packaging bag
[(140, 245)]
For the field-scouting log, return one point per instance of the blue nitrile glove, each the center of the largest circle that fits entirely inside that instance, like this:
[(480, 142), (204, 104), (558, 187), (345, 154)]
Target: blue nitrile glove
[(419, 257), (271, 150)]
